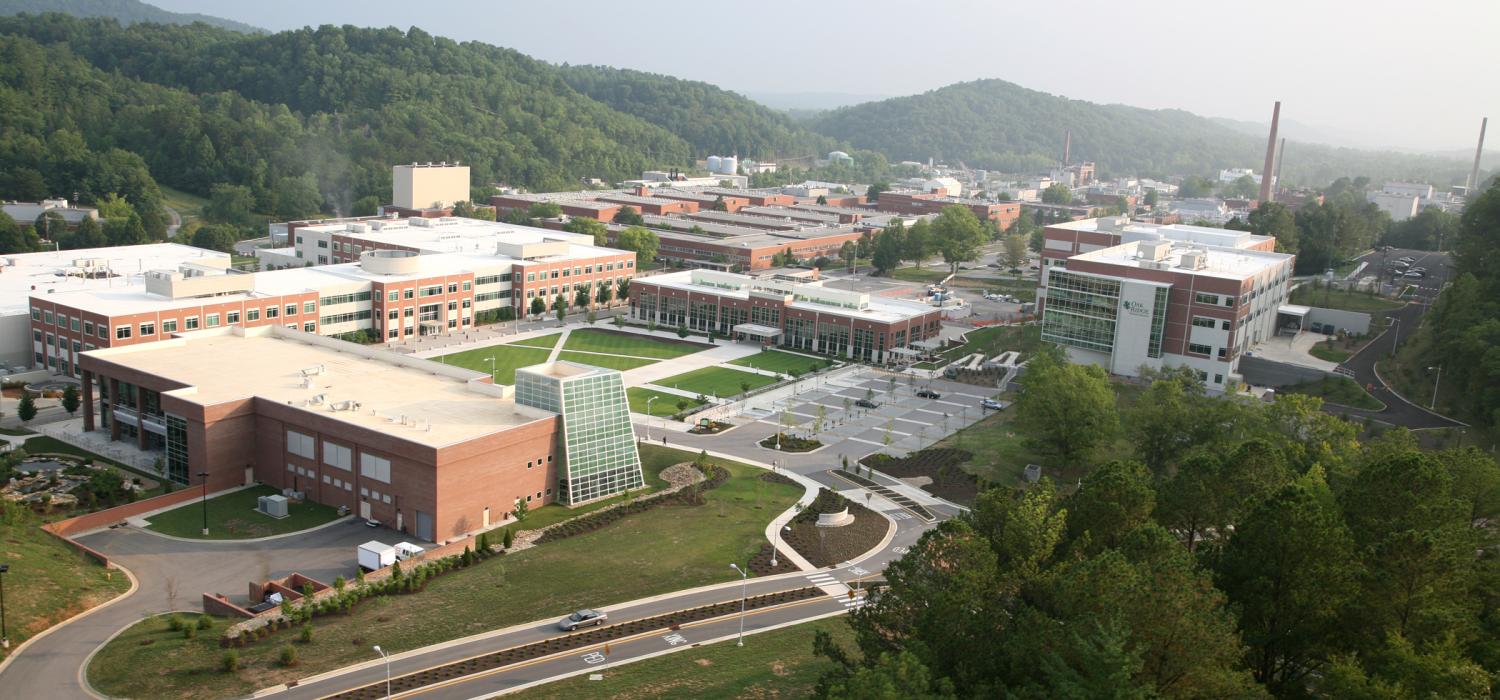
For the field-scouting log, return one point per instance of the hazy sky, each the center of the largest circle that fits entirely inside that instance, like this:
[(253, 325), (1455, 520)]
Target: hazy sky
[(1397, 73)]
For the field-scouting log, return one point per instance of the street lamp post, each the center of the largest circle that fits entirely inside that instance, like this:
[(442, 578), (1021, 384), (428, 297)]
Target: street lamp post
[(648, 417), (491, 360), (776, 545), (1432, 405), (1397, 343), (204, 477), (4, 637), (381, 652), (744, 581)]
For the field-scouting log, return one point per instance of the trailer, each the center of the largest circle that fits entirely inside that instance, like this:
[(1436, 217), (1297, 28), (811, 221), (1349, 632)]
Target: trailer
[(376, 555)]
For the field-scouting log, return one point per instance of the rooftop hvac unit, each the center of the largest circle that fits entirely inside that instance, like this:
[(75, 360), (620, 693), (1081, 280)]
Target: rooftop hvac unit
[(274, 506), (1194, 260)]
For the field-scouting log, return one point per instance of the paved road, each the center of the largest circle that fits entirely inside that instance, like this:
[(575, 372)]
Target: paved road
[(50, 667), (835, 582), (1405, 322)]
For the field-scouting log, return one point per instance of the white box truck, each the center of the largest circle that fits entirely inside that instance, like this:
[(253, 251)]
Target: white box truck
[(376, 555)]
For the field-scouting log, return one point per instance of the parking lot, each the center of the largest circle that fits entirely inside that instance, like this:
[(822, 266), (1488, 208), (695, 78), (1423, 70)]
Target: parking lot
[(901, 421)]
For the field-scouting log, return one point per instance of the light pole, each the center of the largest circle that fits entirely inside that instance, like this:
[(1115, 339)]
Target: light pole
[(381, 652), (744, 581), (4, 637), (491, 360), (204, 477), (775, 547), (648, 416), (1432, 405), (1397, 344)]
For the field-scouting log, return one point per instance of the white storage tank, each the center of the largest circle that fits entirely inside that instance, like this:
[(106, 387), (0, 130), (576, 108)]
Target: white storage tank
[(714, 163), (731, 165)]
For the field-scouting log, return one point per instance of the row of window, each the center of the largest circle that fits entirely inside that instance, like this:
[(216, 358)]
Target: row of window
[(582, 270), (338, 456)]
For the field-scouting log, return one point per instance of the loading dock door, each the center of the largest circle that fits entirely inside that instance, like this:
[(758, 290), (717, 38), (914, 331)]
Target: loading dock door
[(424, 526)]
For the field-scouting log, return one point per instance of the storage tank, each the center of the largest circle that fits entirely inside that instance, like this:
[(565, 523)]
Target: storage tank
[(714, 163), (731, 165)]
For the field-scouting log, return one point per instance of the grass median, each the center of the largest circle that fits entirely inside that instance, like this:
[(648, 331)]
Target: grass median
[(631, 344), (662, 404), (508, 358), (599, 359), (232, 516), (661, 550), (783, 362), (716, 381)]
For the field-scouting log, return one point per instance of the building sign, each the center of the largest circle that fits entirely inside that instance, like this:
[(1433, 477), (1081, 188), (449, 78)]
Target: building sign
[(1135, 308)]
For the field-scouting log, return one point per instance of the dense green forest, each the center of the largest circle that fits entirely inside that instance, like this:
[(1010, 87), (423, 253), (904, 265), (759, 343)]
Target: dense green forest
[(126, 11), (1245, 550), (1003, 126)]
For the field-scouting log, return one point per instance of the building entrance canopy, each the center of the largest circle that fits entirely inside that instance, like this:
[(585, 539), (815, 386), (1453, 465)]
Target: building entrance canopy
[(757, 330)]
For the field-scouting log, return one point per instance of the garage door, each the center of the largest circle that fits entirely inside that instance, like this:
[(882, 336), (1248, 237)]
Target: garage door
[(424, 526)]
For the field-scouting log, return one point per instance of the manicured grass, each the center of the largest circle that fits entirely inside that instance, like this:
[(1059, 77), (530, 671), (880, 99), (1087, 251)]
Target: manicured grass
[(232, 516), (716, 381), (49, 581), (926, 274), (631, 344), (1305, 295), (664, 405), (548, 341), (1023, 289), (993, 340), (599, 359), (1340, 390), (664, 549), (775, 664), (783, 362), (1330, 350), (16, 431), (507, 359)]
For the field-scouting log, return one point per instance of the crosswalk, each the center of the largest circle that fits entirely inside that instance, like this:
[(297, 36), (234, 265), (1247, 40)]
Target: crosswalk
[(837, 590)]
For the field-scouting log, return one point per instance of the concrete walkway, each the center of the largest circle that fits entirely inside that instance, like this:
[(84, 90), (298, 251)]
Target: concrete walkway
[(558, 347), (1294, 351), (717, 355)]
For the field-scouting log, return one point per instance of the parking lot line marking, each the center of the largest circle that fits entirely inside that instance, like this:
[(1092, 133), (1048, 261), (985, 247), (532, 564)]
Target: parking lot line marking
[(915, 422), (935, 413), (867, 442), (952, 403)]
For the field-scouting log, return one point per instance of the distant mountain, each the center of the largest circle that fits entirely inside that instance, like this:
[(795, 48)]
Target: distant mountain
[(812, 101), (127, 12), (999, 125)]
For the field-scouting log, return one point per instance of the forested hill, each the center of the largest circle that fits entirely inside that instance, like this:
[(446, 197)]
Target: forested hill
[(999, 125), (125, 11), (711, 118)]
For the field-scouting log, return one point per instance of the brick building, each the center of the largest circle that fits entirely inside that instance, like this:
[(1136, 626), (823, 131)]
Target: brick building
[(927, 203)]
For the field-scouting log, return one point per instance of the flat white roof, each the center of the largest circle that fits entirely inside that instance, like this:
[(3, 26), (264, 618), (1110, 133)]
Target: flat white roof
[(1225, 263), (441, 404), (1206, 235), (114, 269), (472, 237), (883, 309)]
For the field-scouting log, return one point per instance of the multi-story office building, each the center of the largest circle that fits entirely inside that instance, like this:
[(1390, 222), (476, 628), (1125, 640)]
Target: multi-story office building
[(427, 448), (919, 203), (404, 279), (1126, 296), (794, 311)]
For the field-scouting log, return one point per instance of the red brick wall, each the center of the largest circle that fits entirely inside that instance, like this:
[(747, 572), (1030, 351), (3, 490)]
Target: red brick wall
[(91, 521)]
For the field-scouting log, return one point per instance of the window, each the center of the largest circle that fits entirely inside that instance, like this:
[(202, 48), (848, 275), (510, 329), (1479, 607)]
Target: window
[(1223, 324), (300, 444), (102, 330), (211, 321), (467, 285), (47, 318), (452, 287), (309, 307), (272, 312), (88, 327), (408, 293), (73, 324), (36, 314), (322, 244), (291, 309), (531, 277), (1200, 349), (232, 317), (148, 328), (393, 296), (252, 314), (1218, 379), (169, 326), (337, 456), (1203, 298), (190, 323), (310, 326), (377, 468), (1203, 322), (122, 332)]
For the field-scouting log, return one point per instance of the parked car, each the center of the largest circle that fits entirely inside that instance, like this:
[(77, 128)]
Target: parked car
[(866, 403), (928, 394), (1415, 274), (991, 404), (1014, 271), (582, 618)]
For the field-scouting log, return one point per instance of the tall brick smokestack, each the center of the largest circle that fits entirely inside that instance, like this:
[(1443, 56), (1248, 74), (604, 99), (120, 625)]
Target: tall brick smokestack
[(1478, 151), (1280, 154), (1068, 146), (1266, 173)]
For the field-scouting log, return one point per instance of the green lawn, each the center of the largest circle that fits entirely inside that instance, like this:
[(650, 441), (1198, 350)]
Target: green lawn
[(665, 549), (928, 275), (49, 581), (775, 664), (716, 381), (232, 516), (507, 359), (664, 405), (548, 341), (1330, 350), (1340, 299), (1340, 390), (783, 362), (993, 340), (601, 360), (632, 344)]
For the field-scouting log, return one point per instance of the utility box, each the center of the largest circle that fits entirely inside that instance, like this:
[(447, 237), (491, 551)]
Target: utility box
[(376, 555), (274, 506), (1033, 473)]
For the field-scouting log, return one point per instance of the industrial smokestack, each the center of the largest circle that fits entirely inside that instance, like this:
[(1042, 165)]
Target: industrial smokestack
[(1265, 173), (1478, 151), (1067, 146), (1280, 153)]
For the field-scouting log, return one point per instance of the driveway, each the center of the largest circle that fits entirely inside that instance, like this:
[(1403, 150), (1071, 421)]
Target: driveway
[(173, 575)]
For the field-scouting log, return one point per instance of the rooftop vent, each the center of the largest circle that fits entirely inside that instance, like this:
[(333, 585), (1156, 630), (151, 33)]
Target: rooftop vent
[(1194, 260)]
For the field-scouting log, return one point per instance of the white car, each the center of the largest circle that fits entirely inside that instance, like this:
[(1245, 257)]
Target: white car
[(582, 618)]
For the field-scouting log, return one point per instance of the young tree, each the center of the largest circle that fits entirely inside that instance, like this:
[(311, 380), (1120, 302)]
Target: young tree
[(560, 307), (521, 510), (581, 298), (872, 193), (642, 242), (919, 243), (1015, 251), (538, 307), (71, 399), (589, 226), (1066, 409), (887, 252), (602, 293), (26, 408), (958, 235)]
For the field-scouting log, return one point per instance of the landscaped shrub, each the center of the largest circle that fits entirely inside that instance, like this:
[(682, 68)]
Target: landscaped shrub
[(307, 634), (288, 656), (189, 631), (174, 623), (338, 583), (205, 622), (230, 661), (510, 538), (790, 443)]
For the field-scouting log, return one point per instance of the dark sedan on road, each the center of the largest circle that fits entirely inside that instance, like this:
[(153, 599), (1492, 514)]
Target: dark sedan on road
[(866, 403), (928, 394)]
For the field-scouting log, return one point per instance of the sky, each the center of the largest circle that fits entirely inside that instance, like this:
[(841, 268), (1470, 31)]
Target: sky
[(1374, 73)]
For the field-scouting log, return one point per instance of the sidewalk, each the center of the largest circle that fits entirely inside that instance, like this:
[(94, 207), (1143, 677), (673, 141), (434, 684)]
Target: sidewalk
[(1294, 351)]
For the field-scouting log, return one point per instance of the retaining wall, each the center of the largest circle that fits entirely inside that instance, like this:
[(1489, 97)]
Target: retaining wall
[(93, 521)]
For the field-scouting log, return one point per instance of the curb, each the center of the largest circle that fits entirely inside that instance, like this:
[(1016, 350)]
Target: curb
[(134, 585), (201, 540)]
